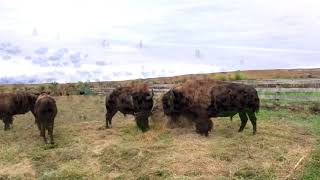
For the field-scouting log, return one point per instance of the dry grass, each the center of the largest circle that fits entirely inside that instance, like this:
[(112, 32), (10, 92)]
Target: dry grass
[(85, 150)]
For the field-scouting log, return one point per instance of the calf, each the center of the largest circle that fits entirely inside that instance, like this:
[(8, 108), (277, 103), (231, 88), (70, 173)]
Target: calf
[(45, 112)]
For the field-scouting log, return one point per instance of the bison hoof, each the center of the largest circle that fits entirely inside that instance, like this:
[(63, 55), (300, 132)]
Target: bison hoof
[(6, 128), (144, 130)]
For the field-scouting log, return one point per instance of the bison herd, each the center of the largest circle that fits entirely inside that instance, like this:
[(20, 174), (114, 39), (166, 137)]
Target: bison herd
[(195, 100)]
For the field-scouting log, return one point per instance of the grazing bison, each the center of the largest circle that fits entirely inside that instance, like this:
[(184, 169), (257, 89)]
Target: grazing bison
[(45, 111), (135, 100), (200, 100), (15, 103)]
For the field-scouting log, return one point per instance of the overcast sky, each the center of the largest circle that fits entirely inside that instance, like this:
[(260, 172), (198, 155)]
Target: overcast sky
[(64, 40)]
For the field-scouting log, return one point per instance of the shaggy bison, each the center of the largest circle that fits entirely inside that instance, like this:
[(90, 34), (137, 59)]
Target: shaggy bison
[(199, 100), (45, 111), (135, 100), (15, 103)]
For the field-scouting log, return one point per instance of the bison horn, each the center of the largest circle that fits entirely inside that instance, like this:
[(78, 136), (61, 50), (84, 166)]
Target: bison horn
[(171, 99), (151, 96)]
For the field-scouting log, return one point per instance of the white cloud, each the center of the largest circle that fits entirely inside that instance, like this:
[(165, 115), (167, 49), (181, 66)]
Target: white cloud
[(260, 34)]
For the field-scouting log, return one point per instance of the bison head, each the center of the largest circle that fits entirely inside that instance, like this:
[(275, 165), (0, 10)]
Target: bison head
[(168, 102), (142, 101), (24, 102)]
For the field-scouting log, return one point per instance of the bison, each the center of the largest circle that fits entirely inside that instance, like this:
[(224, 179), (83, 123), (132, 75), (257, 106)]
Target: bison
[(199, 100), (15, 103), (135, 100), (45, 111)]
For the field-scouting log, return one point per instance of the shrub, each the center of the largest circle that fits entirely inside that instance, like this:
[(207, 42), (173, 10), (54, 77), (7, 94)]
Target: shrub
[(239, 76), (41, 88), (315, 108), (54, 88), (222, 78)]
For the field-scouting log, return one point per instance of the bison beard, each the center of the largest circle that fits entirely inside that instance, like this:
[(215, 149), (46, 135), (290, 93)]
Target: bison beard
[(200, 100), (130, 100), (45, 112), (15, 103)]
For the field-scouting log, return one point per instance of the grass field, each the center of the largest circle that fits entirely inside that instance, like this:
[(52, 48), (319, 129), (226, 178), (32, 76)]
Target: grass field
[(85, 150)]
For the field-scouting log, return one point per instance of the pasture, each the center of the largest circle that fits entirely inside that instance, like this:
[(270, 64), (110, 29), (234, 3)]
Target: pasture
[(287, 145)]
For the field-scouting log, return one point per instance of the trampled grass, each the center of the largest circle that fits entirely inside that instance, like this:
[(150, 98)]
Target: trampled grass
[(85, 150)]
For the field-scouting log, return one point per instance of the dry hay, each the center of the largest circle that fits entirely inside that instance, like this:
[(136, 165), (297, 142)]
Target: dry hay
[(22, 169)]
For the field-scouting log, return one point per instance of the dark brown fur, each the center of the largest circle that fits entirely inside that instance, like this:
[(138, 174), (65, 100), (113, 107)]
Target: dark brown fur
[(45, 112), (15, 103), (135, 100), (202, 99)]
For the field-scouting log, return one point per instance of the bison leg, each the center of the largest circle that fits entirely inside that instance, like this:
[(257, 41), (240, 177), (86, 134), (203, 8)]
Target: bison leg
[(244, 120), (109, 116), (173, 121), (43, 132), (50, 133), (204, 126), (142, 123), (6, 126), (7, 122), (38, 124), (253, 120)]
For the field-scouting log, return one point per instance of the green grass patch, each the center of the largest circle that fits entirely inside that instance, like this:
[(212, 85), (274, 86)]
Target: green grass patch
[(164, 137), (299, 94), (312, 169), (130, 132), (253, 174), (124, 158)]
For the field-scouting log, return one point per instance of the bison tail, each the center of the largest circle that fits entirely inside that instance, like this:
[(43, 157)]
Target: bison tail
[(256, 105)]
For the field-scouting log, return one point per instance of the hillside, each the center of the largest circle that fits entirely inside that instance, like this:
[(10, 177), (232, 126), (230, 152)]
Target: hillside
[(74, 88)]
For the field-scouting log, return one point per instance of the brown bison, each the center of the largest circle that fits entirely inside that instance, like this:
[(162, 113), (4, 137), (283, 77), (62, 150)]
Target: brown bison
[(135, 100), (15, 103), (199, 100), (45, 111)]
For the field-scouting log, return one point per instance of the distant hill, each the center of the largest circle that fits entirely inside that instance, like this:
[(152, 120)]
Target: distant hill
[(234, 75), (74, 88)]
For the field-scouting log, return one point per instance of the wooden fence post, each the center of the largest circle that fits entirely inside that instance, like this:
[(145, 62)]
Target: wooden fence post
[(277, 94)]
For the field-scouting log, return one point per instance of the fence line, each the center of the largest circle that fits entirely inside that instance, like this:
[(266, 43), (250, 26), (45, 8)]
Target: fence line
[(274, 87), (288, 90)]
